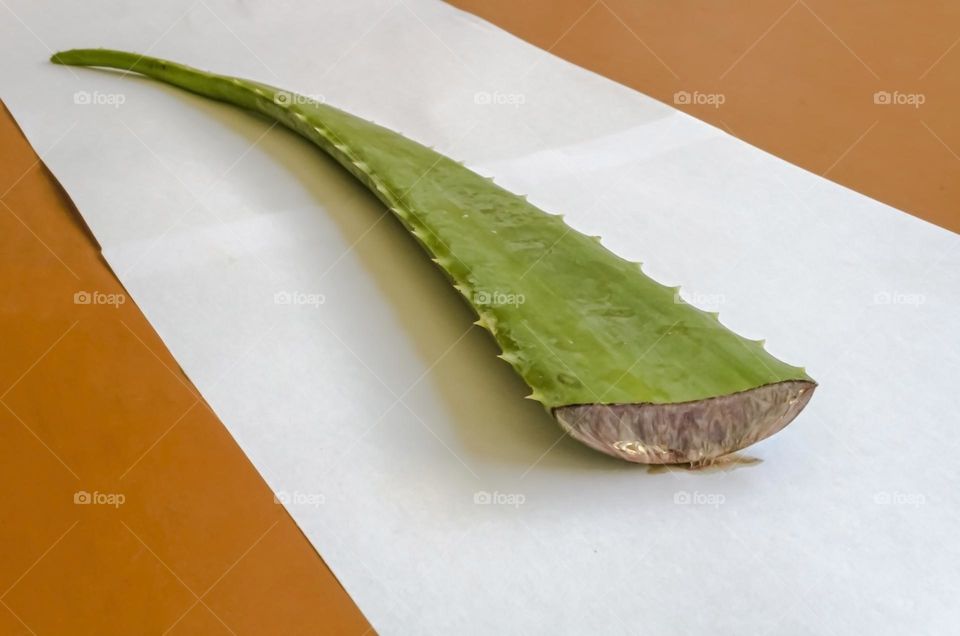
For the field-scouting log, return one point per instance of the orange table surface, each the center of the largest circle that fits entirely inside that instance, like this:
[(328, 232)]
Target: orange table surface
[(128, 508), (862, 93)]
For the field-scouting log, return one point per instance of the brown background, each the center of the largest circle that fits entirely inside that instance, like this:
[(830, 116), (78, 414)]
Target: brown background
[(798, 78), (91, 399)]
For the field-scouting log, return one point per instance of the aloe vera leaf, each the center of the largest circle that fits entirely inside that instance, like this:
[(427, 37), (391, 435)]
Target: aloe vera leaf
[(621, 363)]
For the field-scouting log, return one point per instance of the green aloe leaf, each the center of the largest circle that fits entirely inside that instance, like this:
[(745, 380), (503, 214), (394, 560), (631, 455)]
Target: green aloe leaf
[(623, 364)]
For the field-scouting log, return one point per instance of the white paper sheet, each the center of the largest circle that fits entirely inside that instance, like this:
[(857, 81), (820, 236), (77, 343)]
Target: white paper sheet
[(385, 418)]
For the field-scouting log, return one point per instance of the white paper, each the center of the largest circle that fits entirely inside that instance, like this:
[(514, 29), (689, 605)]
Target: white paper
[(375, 407)]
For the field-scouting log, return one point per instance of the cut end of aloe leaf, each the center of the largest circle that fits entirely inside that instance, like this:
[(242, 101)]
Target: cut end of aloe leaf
[(694, 433)]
